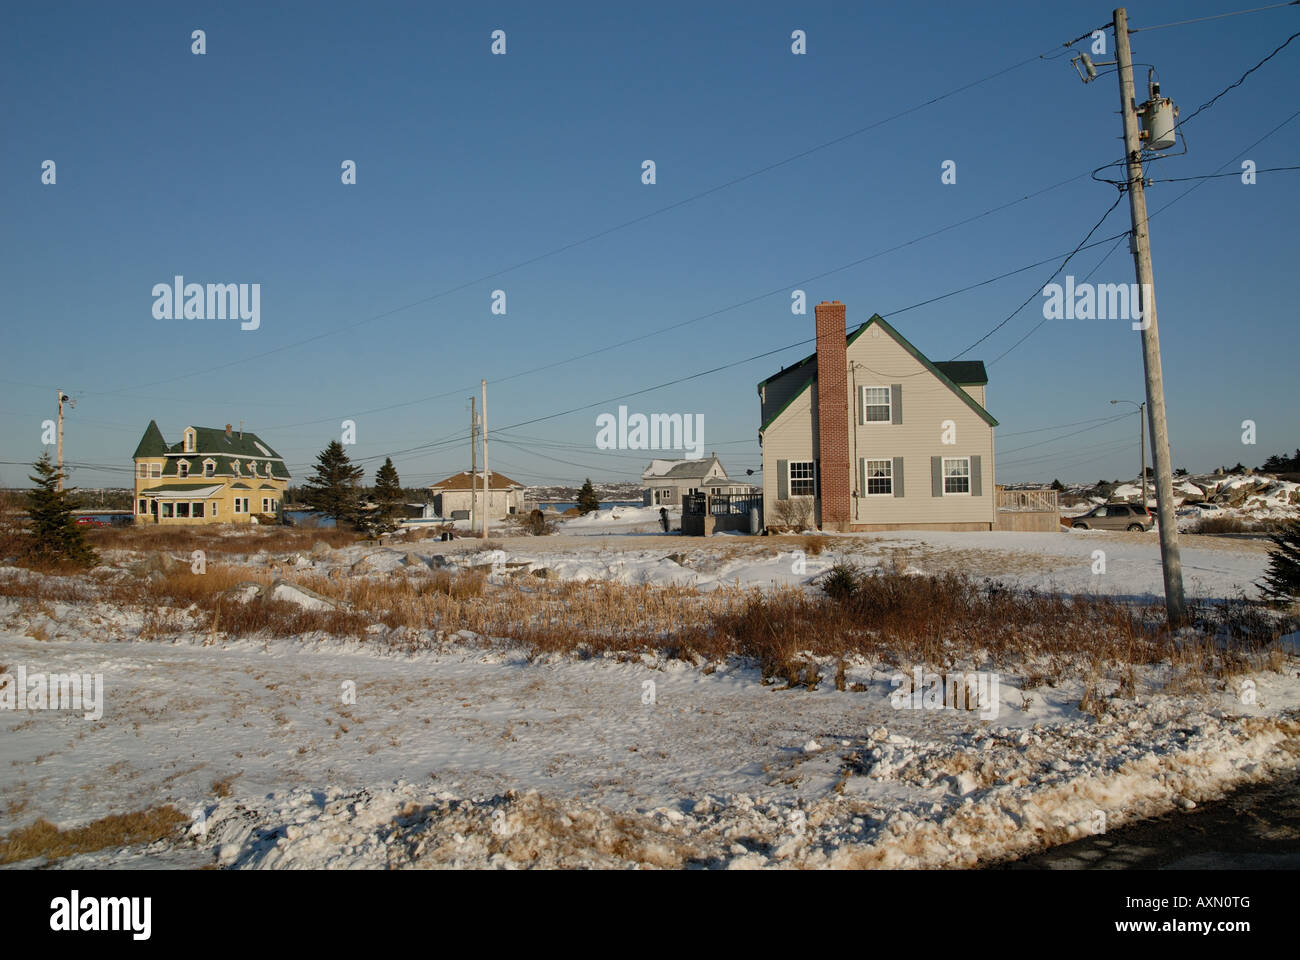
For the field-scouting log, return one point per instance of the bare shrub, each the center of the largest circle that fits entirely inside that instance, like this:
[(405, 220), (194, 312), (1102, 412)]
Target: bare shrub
[(793, 513)]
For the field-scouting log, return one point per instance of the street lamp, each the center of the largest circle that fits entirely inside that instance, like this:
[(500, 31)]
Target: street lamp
[(1142, 444)]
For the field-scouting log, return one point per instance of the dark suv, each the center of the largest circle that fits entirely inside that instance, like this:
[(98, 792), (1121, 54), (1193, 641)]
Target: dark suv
[(1116, 516)]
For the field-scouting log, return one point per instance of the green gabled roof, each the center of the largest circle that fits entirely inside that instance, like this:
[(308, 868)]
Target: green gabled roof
[(964, 373), (240, 486), (793, 397), (972, 369), (152, 443)]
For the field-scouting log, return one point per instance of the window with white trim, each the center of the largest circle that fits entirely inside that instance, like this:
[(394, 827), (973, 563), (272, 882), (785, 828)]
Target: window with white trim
[(268, 505), (183, 469), (880, 478), (876, 406), (196, 509), (956, 475), (155, 471), (142, 506), (241, 504), (214, 509), (803, 480), (189, 441), (142, 470), (182, 509), (209, 468)]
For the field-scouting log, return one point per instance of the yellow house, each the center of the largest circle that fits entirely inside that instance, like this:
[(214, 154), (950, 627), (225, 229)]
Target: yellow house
[(211, 476)]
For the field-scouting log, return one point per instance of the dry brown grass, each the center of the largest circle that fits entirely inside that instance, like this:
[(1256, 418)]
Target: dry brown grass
[(44, 839), (218, 539), (944, 621)]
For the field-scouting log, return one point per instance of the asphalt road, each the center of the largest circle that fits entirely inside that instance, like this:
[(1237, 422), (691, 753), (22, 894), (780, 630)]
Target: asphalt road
[(1256, 828)]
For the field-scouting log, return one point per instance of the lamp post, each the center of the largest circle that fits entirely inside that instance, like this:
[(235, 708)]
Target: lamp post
[(1142, 444)]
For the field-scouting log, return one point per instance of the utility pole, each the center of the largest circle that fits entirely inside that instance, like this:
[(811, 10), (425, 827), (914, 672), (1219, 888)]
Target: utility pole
[(473, 464), (63, 397), (1142, 444), (1142, 450), (1175, 605), (487, 474)]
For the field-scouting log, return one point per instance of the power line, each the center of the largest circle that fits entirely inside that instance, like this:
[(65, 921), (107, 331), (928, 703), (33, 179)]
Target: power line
[(1214, 176), (1217, 16), (609, 230), (784, 288), (1073, 433), (1239, 81), (1037, 292), (1187, 119), (1036, 326), (1200, 182), (1058, 426)]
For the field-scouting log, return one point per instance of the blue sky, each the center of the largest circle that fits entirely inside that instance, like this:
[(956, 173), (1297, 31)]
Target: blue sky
[(225, 168)]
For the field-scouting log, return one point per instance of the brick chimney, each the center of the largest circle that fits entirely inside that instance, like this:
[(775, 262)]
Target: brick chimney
[(833, 415)]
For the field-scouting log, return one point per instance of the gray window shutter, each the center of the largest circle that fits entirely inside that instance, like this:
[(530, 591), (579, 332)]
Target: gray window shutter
[(976, 489), (936, 476), (896, 402), (862, 477), (898, 476), (783, 479)]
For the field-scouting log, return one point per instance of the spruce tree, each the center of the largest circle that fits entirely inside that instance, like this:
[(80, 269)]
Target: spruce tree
[(388, 491), (333, 489), (587, 499), (53, 534), (1281, 581)]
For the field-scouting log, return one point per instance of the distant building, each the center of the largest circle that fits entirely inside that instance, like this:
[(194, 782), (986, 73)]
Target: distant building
[(869, 434), (667, 481), (210, 476), (450, 498)]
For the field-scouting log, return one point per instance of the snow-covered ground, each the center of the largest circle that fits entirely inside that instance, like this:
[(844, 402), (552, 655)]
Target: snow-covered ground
[(1249, 498), (342, 754)]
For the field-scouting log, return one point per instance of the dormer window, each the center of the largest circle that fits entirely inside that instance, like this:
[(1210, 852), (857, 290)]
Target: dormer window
[(189, 441), (266, 467), (209, 468), (252, 468), (234, 465), (183, 468)]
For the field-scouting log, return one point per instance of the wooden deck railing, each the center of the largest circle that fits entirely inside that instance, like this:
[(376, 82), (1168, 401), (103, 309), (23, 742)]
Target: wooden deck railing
[(1028, 501)]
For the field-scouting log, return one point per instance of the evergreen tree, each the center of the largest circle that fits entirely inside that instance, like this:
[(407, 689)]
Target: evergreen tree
[(1057, 485), (388, 491), (1281, 581), (333, 489), (52, 529), (587, 499)]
